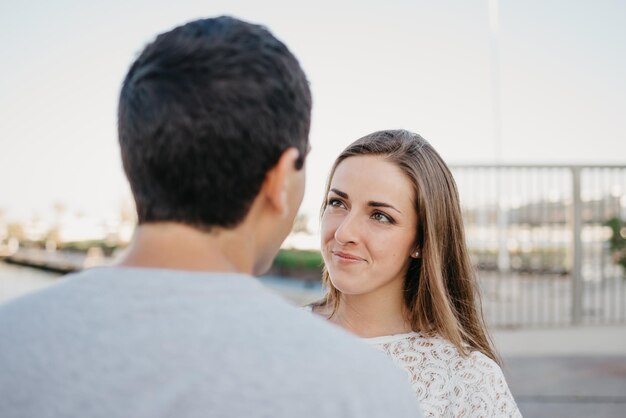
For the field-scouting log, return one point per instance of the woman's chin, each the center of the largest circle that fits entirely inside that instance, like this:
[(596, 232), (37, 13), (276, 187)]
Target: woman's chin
[(349, 286)]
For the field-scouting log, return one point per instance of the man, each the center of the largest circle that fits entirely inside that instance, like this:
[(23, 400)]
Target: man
[(213, 127)]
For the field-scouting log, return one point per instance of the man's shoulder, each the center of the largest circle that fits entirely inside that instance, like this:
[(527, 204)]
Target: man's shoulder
[(227, 336)]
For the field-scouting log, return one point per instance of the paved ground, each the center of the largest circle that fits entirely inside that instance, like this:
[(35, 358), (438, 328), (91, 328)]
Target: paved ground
[(566, 372), (562, 386)]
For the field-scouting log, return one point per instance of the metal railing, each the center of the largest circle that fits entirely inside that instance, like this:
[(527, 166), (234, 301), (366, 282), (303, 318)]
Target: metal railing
[(545, 239)]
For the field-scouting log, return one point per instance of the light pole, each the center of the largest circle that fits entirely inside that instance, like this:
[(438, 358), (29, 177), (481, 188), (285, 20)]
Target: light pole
[(504, 262)]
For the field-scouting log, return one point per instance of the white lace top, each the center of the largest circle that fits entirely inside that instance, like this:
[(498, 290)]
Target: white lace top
[(446, 383)]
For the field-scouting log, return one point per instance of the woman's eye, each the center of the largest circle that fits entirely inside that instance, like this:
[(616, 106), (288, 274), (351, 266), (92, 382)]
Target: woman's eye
[(381, 217), (336, 203)]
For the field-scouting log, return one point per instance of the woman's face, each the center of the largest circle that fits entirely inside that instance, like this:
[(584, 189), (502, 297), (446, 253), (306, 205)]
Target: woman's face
[(369, 226)]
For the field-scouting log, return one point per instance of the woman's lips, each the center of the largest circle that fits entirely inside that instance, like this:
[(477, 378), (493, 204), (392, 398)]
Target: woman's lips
[(346, 257)]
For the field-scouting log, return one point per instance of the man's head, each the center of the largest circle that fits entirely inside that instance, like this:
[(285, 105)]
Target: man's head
[(205, 111)]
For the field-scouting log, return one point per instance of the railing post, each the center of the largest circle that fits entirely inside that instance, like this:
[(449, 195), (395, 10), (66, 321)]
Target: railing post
[(577, 262), (504, 263)]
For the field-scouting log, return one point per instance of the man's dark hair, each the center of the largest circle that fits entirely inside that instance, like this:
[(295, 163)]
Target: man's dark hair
[(205, 111)]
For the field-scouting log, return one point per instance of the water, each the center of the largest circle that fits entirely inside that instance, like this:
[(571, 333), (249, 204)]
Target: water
[(17, 281)]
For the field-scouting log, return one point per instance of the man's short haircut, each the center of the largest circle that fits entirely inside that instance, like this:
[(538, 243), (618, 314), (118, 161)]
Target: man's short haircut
[(204, 112)]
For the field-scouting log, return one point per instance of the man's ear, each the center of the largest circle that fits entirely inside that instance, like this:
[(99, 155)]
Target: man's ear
[(276, 184)]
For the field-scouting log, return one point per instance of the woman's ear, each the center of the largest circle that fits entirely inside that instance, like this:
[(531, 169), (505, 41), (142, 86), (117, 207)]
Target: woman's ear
[(276, 183)]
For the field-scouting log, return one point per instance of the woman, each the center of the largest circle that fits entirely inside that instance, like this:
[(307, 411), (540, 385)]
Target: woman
[(398, 273)]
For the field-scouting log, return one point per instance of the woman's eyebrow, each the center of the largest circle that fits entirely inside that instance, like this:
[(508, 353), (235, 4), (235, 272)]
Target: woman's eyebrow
[(340, 193), (371, 203), (382, 205)]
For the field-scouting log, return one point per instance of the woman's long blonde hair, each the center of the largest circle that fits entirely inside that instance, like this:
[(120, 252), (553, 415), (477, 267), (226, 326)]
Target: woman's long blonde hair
[(441, 294)]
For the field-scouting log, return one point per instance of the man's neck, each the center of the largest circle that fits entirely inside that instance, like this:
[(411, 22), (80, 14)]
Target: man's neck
[(180, 247)]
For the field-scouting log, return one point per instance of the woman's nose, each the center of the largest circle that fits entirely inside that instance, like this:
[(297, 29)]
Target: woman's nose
[(347, 231)]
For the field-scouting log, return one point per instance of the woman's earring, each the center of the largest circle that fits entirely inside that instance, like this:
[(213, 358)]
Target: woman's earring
[(416, 254)]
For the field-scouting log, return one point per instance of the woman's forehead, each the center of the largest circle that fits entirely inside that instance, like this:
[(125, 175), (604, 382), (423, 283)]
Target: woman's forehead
[(372, 177)]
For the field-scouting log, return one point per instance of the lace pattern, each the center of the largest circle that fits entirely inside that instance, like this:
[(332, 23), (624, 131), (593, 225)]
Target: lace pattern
[(446, 383)]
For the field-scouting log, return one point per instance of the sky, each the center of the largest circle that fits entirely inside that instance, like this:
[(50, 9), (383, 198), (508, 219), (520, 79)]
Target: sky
[(554, 68)]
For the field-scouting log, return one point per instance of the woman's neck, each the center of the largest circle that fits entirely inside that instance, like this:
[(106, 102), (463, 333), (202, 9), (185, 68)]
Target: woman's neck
[(371, 315)]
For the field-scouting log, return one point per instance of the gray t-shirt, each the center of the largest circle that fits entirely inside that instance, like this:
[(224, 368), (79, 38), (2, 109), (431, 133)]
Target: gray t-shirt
[(123, 342)]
